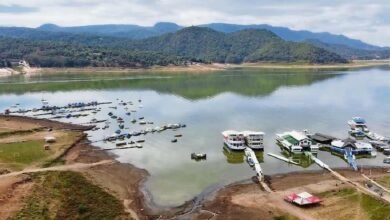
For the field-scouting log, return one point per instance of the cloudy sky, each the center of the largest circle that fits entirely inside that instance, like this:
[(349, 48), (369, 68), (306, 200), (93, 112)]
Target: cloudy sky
[(368, 20)]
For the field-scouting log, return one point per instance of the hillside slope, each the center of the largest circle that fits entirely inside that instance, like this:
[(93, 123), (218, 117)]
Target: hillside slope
[(47, 49)]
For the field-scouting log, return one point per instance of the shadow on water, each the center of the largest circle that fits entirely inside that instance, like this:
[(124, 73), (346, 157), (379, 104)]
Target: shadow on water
[(303, 160), (237, 157), (189, 86)]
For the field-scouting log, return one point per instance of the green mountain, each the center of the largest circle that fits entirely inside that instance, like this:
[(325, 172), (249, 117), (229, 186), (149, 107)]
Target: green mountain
[(195, 44), (207, 45), (139, 32), (350, 52)]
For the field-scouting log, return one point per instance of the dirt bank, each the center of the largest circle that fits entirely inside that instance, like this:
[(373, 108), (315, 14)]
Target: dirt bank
[(4, 72), (16, 121), (248, 201), (121, 180), (204, 68)]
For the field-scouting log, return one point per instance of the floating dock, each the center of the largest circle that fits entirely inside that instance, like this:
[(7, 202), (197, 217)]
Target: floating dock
[(250, 154), (282, 158), (350, 158)]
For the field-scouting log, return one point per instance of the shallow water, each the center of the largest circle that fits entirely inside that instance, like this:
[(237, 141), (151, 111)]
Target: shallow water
[(269, 101)]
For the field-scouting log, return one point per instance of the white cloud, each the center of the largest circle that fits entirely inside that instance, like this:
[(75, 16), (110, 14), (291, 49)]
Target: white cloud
[(362, 19)]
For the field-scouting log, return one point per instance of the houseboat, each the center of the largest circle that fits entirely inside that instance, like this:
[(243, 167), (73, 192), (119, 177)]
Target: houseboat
[(254, 139), (357, 147), (234, 140), (358, 127), (296, 142)]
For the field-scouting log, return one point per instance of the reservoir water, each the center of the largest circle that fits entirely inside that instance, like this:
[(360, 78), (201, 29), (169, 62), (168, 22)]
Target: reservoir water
[(266, 100)]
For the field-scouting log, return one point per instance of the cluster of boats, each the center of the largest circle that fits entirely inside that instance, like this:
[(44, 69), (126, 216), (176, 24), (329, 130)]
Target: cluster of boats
[(297, 142), (236, 140), (119, 135)]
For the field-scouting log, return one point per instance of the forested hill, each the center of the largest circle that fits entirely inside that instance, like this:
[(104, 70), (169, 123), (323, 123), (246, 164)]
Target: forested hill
[(48, 49)]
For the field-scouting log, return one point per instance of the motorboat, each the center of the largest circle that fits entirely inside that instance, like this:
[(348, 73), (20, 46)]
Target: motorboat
[(358, 126)]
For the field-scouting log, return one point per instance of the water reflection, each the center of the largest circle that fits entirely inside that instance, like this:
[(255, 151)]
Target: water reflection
[(189, 86), (237, 157)]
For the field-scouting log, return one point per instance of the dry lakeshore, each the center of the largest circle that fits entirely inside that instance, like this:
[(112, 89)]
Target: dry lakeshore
[(116, 189), (196, 68)]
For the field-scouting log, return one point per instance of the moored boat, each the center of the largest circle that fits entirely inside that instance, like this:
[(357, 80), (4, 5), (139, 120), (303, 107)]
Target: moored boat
[(198, 156), (356, 147), (358, 127), (234, 140), (254, 139), (296, 142)]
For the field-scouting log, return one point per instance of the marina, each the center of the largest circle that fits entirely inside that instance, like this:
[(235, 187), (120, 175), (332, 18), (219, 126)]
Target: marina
[(199, 119)]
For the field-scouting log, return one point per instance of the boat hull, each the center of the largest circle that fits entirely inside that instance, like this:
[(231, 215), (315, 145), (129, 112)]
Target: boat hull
[(232, 147)]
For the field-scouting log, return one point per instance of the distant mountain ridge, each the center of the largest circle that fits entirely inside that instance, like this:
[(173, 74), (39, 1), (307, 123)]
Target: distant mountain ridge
[(140, 32), (116, 30)]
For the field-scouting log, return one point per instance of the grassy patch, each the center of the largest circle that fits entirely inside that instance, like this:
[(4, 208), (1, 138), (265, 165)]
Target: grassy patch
[(375, 208), (385, 181), (23, 153), (285, 217), (339, 193), (20, 155), (348, 197), (19, 132), (68, 195)]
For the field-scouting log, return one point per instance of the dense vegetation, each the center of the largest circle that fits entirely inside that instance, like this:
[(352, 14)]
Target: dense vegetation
[(60, 54), (68, 195), (140, 32), (350, 52), (189, 44)]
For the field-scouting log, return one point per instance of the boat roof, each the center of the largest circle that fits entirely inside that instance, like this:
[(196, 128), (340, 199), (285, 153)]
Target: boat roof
[(363, 145), (322, 137), (359, 120), (230, 132), (233, 132), (303, 198), (246, 133), (291, 139), (297, 135)]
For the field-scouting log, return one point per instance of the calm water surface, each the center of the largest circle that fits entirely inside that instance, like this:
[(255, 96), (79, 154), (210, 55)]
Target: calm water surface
[(269, 101)]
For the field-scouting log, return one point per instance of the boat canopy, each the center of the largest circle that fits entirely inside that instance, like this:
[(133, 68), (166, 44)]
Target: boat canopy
[(248, 133), (291, 140), (359, 120), (322, 138), (303, 198)]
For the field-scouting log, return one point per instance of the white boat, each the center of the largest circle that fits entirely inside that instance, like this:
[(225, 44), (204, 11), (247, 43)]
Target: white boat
[(296, 142), (376, 137), (234, 140), (254, 139), (357, 125), (357, 147), (252, 161)]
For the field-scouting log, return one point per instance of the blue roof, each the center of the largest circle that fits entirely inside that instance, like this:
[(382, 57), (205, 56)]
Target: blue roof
[(359, 120)]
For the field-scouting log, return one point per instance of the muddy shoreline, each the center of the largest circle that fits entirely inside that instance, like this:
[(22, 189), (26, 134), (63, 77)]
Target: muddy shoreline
[(127, 182)]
